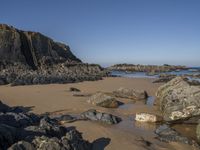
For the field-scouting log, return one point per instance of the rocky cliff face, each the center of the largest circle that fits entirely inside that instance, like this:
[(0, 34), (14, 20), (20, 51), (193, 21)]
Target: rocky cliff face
[(32, 58), (31, 48)]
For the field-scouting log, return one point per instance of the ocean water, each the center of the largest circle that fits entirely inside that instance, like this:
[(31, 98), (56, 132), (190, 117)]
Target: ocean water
[(143, 74)]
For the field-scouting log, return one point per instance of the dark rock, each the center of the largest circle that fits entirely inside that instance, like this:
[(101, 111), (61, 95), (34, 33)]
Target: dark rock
[(101, 117), (178, 100), (130, 93), (73, 89), (18, 119), (47, 127), (22, 145)]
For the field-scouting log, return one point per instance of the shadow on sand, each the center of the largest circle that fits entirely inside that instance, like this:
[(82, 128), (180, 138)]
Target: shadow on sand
[(101, 143)]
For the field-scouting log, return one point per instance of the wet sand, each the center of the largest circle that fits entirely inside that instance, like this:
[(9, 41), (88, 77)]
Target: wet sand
[(56, 98)]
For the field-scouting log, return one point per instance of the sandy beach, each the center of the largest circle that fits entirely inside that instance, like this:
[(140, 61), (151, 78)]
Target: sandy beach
[(57, 99)]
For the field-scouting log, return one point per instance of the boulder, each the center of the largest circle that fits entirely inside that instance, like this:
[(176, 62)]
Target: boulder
[(100, 117), (147, 117), (130, 93), (103, 100), (178, 100), (4, 107)]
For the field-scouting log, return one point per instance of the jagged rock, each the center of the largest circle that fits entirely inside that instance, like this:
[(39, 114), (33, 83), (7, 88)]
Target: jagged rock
[(167, 134), (147, 117), (103, 100), (101, 117), (47, 127), (18, 119), (22, 145), (130, 93), (178, 100)]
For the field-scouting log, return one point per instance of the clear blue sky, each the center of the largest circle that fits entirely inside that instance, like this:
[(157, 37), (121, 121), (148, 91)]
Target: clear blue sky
[(115, 31)]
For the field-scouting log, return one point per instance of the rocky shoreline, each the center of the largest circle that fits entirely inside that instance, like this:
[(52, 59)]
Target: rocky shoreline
[(149, 69)]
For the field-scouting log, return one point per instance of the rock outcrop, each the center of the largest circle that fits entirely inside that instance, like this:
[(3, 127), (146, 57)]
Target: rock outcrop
[(150, 69), (179, 100), (103, 100), (38, 132), (130, 93), (32, 58)]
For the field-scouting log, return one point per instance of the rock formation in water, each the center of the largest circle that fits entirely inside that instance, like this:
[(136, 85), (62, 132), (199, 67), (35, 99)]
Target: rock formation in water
[(150, 69), (32, 58)]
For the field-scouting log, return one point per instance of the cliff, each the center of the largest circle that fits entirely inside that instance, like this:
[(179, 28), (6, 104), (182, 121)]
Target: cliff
[(32, 58)]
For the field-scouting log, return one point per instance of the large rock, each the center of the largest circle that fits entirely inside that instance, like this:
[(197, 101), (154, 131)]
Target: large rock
[(100, 117), (130, 93), (103, 100), (178, 100)]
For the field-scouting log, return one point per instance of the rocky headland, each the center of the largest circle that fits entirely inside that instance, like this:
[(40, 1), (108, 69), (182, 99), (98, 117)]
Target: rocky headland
[(32, 58), (149, 69)]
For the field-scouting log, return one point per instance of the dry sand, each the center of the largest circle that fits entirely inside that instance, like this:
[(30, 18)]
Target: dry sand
[(126, 135)]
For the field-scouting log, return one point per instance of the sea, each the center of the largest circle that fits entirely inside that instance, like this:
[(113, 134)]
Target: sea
[(191, 71)]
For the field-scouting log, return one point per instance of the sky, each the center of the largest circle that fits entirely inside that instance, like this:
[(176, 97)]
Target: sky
[(114, 31)]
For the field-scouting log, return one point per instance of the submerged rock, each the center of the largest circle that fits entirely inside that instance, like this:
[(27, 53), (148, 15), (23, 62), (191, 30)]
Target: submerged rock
[(147, 117), (178, 100), (101, 117), (130, 93), (103, 100), (167, 134)]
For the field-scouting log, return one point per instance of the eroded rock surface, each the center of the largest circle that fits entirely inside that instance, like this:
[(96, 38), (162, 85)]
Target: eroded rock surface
[(103, 100), (130, 93), (23, 131), (179, 100)]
